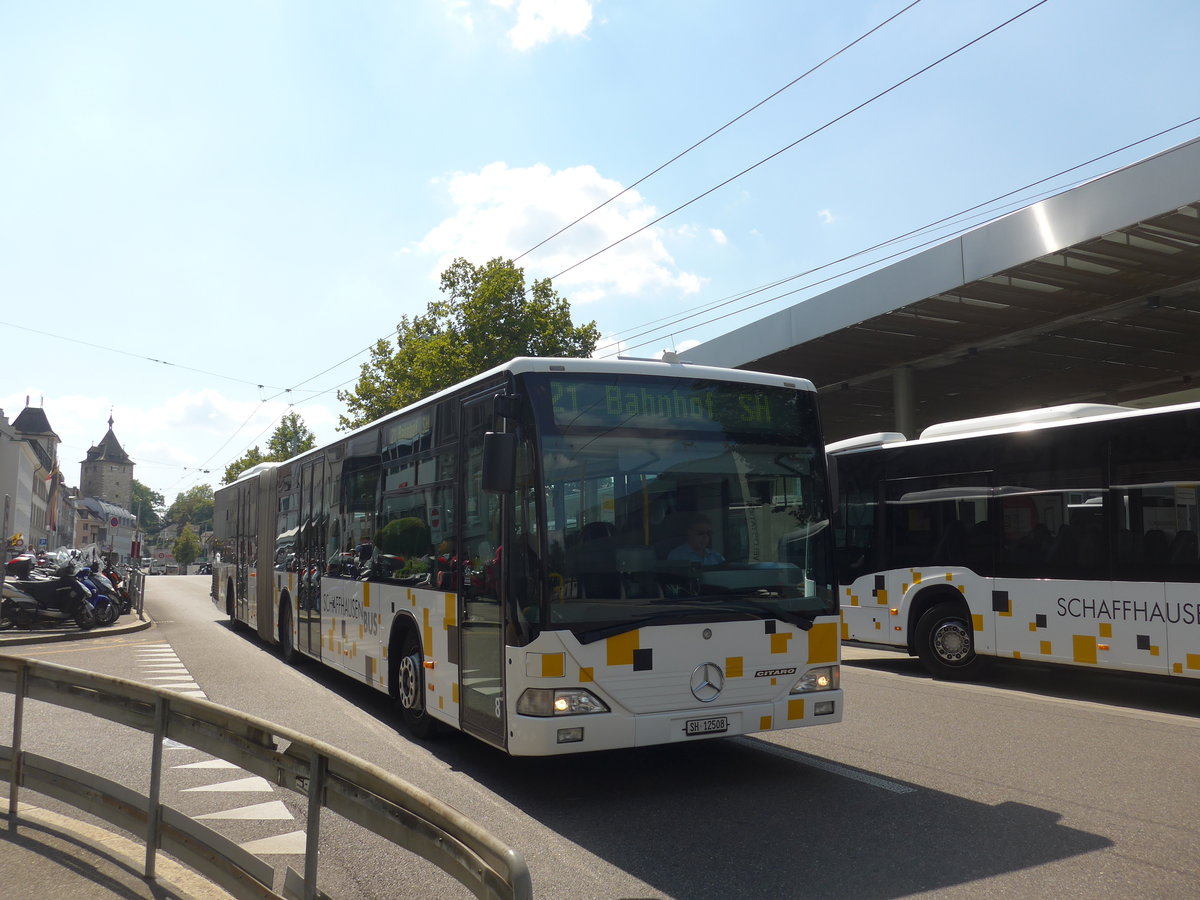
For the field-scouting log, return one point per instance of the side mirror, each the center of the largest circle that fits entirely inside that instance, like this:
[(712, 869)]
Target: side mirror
[(508, 406), (835, 507), (499, 462)]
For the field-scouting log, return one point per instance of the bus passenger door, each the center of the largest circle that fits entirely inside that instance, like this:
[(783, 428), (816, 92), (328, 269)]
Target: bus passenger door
[(245, 553), (309, 560), (480, 614)]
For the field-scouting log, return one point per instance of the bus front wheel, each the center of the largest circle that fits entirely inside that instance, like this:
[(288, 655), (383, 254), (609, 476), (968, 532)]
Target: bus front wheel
[(946, 642), (410, 688)]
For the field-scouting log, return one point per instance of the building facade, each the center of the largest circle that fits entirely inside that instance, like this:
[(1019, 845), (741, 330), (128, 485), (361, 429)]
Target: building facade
[(29, 480)]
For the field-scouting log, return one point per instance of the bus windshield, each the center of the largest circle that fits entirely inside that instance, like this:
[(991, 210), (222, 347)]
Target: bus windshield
[(680, 500)]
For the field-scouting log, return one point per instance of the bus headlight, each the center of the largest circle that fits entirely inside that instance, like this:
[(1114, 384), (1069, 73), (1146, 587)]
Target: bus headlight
[(559, 702), (826, 678)]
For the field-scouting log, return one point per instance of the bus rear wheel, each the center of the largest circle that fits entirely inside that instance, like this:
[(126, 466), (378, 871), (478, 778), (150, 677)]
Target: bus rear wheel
[(287, 648), (410, 688), (946, 642)]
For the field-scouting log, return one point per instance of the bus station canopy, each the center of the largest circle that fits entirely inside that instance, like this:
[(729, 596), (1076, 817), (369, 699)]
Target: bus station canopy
[(1092, 295)]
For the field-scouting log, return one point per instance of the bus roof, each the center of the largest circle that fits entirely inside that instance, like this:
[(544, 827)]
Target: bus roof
[(256, 469), (671, 365), (1027, 420)]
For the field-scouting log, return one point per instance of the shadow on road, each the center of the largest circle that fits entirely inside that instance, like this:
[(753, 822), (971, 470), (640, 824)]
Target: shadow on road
[(1123, 690), (746, 818)]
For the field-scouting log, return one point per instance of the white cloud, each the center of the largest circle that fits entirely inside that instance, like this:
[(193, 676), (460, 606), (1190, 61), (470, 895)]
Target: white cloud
[(504, 211), (718, 236), (541, 21), (826, 216), (460, 11)]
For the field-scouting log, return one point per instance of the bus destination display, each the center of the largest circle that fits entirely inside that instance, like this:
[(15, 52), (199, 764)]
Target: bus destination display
[(674, 403)]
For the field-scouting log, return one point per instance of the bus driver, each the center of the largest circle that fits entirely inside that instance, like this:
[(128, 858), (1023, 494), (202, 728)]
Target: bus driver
[(697, 547)]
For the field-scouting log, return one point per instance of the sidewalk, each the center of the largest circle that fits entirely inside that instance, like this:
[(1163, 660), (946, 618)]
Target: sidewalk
[(49, 856)]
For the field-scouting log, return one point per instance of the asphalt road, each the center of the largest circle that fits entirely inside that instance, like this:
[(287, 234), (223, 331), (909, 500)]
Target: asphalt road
[(1043, 782)]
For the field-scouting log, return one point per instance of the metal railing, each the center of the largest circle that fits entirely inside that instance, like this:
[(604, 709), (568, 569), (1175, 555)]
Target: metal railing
[(136, 585), (360, 792)]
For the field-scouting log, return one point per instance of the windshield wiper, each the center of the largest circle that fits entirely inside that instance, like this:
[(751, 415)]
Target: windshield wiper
[(662, 618), (803, 621)]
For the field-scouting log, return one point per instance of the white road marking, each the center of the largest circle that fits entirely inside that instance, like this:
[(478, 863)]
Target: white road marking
[(273, 809), (825, 765), (253, 784), (207, 764), (293, 843)]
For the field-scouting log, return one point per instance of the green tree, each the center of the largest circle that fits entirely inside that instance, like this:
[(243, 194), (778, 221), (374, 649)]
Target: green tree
[(488, 316), (247, 460), (187, 547), (193, 507), (290, 437), (149, 507)]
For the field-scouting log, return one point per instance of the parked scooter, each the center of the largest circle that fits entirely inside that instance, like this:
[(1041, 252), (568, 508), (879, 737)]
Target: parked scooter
[(35, 599)]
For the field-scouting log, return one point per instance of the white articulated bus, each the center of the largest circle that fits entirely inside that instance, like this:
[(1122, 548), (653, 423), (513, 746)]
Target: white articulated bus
[(558, 556), (1066, 535)]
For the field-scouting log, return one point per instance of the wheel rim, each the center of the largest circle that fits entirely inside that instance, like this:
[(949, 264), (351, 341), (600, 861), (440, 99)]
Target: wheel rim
[(951, 642), (410, 682)]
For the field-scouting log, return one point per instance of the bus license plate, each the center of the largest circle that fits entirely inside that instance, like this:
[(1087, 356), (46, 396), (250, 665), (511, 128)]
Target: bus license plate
[(714, 725)]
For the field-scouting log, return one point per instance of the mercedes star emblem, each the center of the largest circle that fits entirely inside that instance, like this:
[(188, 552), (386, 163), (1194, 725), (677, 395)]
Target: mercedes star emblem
[(707, 682)]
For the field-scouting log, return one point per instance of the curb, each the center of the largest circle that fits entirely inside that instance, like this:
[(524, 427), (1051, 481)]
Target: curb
[(117, 864), (14, 638)]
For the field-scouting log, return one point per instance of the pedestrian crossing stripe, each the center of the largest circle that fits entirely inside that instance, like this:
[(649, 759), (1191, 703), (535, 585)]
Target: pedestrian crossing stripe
[(294, 843), (246, 785), (273, 809), (207, 764)]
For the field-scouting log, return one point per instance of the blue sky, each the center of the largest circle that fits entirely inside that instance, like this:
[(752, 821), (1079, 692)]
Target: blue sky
[(201, 198)]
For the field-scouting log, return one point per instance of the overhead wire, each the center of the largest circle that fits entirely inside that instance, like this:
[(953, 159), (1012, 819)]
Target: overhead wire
[(162, 362), (755, 292), (982, 209), (801, 140), (713, 134), (706, 308)]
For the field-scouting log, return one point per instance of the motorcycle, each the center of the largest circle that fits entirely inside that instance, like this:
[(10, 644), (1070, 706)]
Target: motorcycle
[(124, 599), (102, 595)]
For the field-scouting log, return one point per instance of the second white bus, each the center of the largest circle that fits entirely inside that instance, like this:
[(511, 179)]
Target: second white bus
[(1065, 535)]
